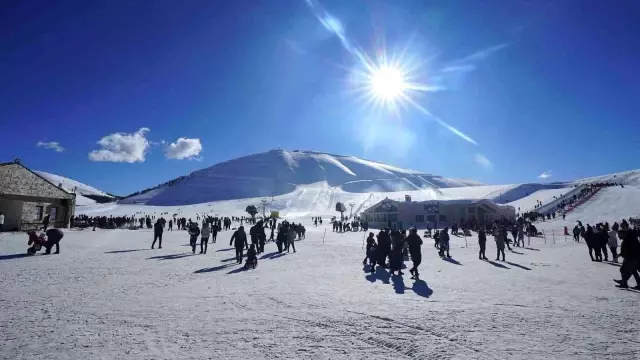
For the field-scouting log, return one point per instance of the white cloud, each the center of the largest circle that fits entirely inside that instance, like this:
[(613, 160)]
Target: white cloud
[(468, 63), (122, 147), (545, 175), (483, 161), (53, 145), (183, 148)]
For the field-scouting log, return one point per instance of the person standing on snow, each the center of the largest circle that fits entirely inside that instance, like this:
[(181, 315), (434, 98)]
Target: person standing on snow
[(291, 238), (239, 241), (45, 223), (500, 237), (371, 241), (589, 240), (1, 221), (613, 244), (170, 225), (630, 252), (194, 232), (482, 241), (576, 233), (603, 240), (415, 243), (262, 238), (396, 259), (214, 232), (204, 237), (384, 246), (443, 240), (157, 234)]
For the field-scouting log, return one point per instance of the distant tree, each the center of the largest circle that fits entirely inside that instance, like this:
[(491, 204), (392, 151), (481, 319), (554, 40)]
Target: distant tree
[(251, 210), (341, 209)]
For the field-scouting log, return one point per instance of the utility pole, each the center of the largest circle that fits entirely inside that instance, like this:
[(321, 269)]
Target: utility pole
[(264, 206)]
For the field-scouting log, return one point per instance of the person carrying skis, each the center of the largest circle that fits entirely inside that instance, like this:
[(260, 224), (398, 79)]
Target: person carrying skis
[(482, 241), (204, 237), (194, 232), (157, 234), (415, 243), (239, 241)]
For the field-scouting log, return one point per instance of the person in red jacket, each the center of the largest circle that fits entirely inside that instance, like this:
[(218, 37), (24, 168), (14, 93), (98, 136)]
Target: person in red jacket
[(35, 242)]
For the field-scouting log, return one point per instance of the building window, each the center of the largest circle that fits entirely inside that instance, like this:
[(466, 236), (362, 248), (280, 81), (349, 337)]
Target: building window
[(419, 218), (39, 212), (53, 213), (443, 218), (393, 217), (431, 218)]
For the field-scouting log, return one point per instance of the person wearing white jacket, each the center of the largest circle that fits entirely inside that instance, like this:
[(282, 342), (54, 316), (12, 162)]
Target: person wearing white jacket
[(204, 240), (613, 245), (1, 221)]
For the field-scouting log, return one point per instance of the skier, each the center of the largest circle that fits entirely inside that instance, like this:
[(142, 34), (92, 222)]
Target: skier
[(415, 242), (239, 240), (194, 232), (204, 239), (53, 238), (500, 237), (444, 242), (157, 234), (482, 241)]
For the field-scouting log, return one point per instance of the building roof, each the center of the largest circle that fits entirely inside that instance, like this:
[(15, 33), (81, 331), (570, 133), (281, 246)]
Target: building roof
[(447, 202), (17, 162)]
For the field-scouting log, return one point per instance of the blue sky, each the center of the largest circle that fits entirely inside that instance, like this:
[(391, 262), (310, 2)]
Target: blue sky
[(537, 85)]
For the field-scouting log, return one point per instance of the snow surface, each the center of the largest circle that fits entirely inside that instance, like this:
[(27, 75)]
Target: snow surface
[(108, 296), (279, 172), (70, 185)]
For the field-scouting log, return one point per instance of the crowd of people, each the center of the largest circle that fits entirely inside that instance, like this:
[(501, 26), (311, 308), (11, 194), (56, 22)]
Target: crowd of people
[(356, 224), (604, 239)]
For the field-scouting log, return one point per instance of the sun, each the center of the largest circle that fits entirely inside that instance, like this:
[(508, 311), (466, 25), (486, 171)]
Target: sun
[(387, 83)]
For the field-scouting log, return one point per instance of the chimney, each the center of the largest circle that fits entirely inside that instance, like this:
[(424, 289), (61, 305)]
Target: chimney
[(407, 198)]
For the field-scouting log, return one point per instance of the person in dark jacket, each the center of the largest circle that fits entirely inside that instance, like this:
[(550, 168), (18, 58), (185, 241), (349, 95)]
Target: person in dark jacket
[(444, 242), (45, 223), (396, 258), (262, 238), (214, 233), (157, 234), (239, 241), (252, 258), (589, 239), (482, 241), (384, 246), (630, 252), (194, 232), (53, 238), (603, 239), (415, 243), (371, 241)]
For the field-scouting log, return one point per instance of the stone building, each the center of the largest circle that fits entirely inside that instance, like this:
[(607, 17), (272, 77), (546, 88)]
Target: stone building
[(438, 213), (26, 198)]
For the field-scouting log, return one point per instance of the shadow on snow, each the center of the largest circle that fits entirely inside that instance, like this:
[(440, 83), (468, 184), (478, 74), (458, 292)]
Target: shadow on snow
[(518, 265), (212, 269), (13, 256), (170, 257), (497, 264), (528, 248), (419, 287), (452, 260), (124, 251)]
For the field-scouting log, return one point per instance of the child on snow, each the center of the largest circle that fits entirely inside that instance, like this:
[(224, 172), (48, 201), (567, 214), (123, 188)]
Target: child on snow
[(252, 258)]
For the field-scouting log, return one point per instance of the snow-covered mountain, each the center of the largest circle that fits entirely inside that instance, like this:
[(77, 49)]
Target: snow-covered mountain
[(279, 172), (86, 195)]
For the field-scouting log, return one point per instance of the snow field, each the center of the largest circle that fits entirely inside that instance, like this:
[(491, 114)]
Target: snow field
[(107, 295)]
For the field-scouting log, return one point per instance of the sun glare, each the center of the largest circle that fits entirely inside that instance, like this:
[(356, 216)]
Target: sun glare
[(387, 83)]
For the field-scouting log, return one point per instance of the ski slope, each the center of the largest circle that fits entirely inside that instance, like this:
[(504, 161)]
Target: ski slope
[(280, 172), (108, 296)]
